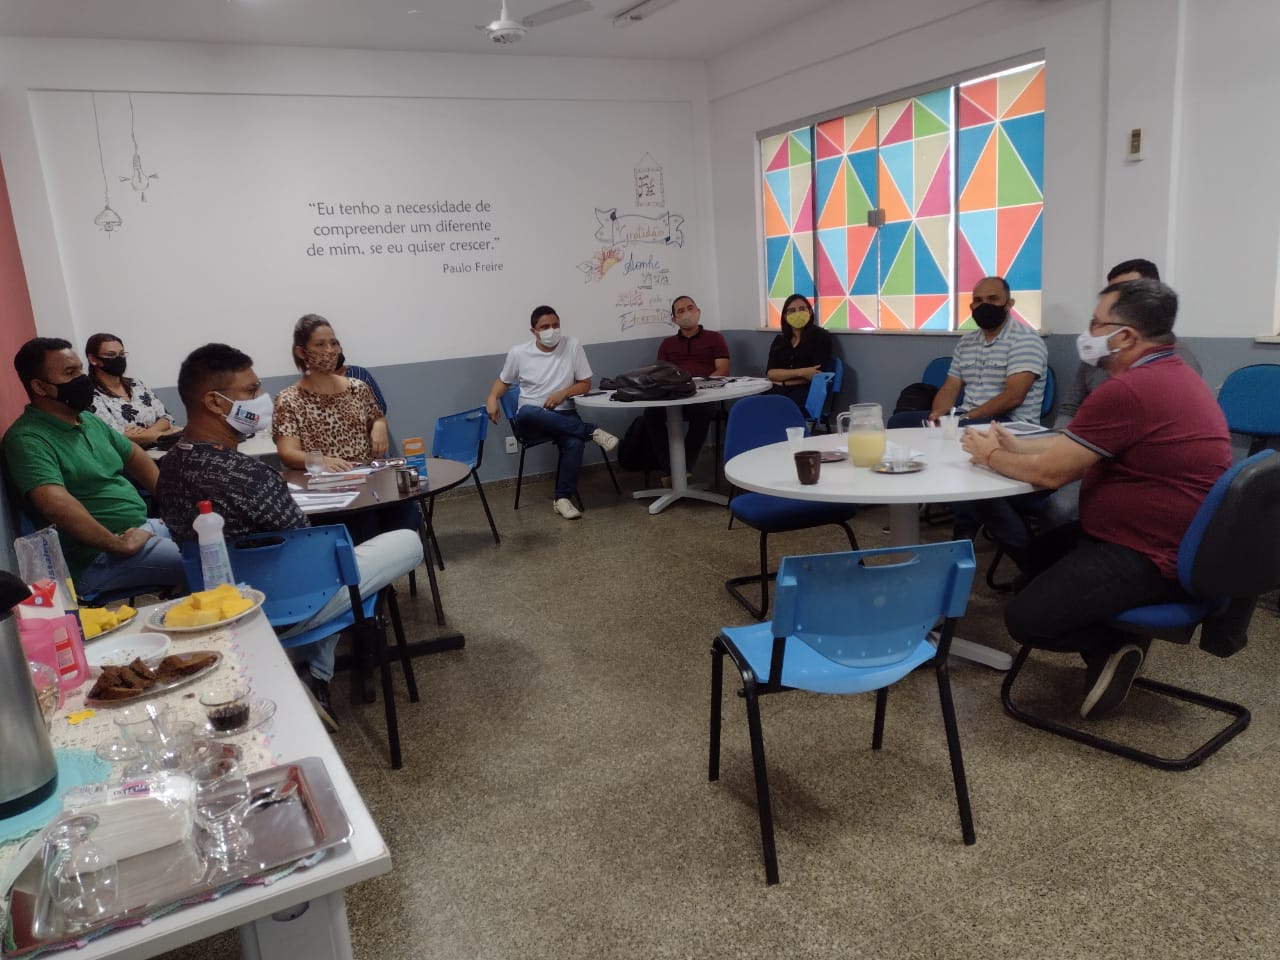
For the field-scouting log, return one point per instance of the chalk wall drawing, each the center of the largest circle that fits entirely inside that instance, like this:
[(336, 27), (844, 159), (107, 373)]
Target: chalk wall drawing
[(416, 247)]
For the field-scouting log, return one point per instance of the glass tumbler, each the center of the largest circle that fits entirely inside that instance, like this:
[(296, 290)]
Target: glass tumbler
[(80, 879)]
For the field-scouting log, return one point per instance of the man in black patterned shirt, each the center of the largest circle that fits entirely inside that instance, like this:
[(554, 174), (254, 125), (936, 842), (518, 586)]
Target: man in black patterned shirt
[(226, 405)]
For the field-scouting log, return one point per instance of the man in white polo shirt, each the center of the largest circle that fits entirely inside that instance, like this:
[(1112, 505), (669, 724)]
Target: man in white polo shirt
[(549, 370), (1000, 365)]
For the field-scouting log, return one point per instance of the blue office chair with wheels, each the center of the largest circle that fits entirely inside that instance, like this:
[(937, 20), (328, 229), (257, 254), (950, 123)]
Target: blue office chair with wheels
[(1228, 557), (754, 422), (461, 436), (300, 571), (510, 402), (849, 623), (1248, 400)]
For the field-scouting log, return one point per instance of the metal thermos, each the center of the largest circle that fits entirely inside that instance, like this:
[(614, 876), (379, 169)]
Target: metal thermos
[(28, 773)]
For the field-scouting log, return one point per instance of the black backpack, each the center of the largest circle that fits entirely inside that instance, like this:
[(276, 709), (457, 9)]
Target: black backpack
[(661, 381), (915, 396)]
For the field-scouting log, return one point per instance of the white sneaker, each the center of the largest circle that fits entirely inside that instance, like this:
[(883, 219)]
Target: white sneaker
[(607, 441), (564, 506)]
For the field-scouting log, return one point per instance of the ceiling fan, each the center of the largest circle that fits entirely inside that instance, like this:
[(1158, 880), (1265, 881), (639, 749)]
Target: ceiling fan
[(507, 30)]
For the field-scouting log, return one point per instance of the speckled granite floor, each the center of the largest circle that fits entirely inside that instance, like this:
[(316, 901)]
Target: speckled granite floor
[(554, 801)]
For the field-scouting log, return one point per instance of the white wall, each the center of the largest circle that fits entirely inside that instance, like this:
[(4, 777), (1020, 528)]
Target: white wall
[(213, 252), (1197, 75)]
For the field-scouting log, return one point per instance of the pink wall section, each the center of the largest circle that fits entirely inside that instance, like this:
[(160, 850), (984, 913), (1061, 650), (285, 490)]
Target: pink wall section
[(17, 323)]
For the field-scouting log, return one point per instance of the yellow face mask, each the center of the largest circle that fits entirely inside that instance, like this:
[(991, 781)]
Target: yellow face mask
[(797, 318)]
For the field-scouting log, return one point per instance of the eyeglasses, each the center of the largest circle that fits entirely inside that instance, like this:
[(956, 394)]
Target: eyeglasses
[(1095, 324)]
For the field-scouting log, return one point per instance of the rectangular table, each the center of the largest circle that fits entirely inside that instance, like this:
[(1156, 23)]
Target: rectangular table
[(314, 895)]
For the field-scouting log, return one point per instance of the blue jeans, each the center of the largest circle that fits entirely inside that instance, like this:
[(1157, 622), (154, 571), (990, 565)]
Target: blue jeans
[(567, 431), (386, 557), (1083, 584), (157, 564)]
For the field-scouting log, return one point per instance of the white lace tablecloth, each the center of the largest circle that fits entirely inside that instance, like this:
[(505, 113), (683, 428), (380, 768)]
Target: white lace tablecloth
[(76, 726)]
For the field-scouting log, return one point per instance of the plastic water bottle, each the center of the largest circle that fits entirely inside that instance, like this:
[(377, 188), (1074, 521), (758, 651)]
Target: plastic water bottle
[(215, 565)]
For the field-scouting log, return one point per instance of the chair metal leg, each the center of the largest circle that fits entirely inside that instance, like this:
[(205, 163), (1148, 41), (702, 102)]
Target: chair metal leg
[(848, 532), (612, 476), (877, 734), (1239, 714), (717, 690), (763, 578), (429, 562), (406, 662), (519, 477), (484, 502), (953, 747), (388, 695), (762, 783)]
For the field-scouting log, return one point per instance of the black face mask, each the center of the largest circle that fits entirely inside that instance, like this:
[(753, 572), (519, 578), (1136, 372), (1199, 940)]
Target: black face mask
[(988, 316), (113, 365), (76, 393)]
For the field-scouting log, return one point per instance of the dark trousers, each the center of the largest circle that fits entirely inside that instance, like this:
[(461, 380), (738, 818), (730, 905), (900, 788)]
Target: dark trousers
[(797, 395), (1083, 583), (568, 432), (697, 416)]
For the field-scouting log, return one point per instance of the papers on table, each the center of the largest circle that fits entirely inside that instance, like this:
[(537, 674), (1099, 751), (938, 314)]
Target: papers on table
[(312, 502), (1019, 428)]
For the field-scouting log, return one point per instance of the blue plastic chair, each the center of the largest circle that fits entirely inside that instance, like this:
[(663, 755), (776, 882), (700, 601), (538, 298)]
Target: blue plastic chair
[(815, 405), (754, 422), (1249, 400), (510, 402), (461, 436), (299, 571), (1050, 391), (1229, 556), (935, 372), (849, 623)]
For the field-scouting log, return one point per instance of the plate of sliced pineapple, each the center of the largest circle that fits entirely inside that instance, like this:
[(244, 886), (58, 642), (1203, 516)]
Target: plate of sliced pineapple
[(205, 609), (99, 621)]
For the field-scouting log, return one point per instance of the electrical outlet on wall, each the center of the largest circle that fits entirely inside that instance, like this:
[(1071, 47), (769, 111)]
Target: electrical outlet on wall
[(511, 445)]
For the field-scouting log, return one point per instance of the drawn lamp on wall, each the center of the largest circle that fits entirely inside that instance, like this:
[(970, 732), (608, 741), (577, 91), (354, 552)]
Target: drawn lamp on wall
[(506, 30)]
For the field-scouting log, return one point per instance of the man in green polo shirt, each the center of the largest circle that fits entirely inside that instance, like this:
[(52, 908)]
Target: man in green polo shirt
[(71, 469)]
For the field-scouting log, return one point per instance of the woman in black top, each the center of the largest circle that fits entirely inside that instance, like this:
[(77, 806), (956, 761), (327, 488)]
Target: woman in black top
[(802, 349)]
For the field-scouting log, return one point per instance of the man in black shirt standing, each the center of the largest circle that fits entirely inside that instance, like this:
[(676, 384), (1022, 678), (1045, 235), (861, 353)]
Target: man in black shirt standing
[(225, 406)]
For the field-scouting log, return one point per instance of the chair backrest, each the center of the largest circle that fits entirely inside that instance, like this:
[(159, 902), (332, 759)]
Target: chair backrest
[(298, 570), (1050, 389), (935, 372), (510, 403), (460, 436), (1249, 400), (819, 391), (756, 421), (837, 383), (1232, 548), (865, 614)]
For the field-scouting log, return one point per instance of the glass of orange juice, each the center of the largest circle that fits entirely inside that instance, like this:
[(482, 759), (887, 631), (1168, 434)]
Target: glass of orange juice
[(863, 430)]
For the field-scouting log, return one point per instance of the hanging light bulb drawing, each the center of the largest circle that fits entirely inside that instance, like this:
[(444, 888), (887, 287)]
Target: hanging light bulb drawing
[(139, 181), (108, 220)]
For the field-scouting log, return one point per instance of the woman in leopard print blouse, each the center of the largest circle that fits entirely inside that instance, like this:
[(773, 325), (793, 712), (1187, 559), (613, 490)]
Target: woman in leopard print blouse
[(324, 410)]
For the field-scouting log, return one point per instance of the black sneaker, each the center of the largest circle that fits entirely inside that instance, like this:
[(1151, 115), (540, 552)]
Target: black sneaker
[(1112, 683), (319, 692)]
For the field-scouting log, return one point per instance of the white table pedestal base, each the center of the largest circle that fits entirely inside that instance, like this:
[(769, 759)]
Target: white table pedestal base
[(318, 932), (680, 489)]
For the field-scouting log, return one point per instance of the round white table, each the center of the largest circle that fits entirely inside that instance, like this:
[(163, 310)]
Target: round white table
[(733, 389), (948, 476)]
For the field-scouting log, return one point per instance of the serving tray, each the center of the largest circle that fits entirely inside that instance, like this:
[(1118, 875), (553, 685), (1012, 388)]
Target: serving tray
[(295, 813)]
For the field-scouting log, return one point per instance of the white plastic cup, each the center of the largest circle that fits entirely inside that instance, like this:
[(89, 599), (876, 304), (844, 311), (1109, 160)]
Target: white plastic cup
[(950, 426), (795, 437), (899, 456)]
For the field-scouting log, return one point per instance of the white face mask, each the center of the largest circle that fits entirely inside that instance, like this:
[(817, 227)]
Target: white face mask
[(549, 337), (249, 417), (1092, 349)]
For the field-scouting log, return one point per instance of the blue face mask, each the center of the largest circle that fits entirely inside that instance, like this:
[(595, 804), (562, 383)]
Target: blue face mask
[(249, 417)]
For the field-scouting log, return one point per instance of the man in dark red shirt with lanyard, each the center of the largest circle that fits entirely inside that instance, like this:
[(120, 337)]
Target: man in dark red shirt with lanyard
[(1149, 443)]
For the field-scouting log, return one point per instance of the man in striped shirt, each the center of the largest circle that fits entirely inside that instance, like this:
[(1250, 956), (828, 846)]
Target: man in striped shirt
[(1001, 365)]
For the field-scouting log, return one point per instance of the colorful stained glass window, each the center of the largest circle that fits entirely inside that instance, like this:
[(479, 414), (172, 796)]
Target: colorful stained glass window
[(787, 162), (889, 216), (1000, 176)]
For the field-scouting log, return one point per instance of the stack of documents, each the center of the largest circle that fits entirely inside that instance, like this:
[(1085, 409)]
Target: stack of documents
[(312, 502)]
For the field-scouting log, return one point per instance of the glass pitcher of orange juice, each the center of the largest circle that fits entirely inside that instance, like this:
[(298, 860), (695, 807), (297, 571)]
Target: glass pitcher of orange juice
[(863, 430)]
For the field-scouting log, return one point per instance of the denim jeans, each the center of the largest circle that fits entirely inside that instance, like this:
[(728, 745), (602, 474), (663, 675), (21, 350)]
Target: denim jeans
[(1083, 583), (385, 558), (157, 564), (567, 431)]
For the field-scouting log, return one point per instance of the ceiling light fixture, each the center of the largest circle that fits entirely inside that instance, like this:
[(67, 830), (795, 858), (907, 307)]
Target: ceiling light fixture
[(640, 12)]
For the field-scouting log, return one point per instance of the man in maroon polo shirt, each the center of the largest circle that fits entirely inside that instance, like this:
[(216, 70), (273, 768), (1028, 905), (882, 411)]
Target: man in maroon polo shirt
[(700, 352), (1148, 444)]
